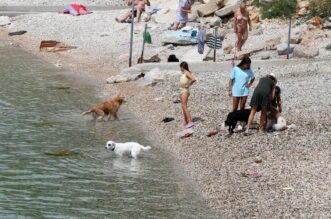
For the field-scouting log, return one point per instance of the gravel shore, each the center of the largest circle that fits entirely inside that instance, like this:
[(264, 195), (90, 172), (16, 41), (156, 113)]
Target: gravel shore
[(59, 2), (295, 163)]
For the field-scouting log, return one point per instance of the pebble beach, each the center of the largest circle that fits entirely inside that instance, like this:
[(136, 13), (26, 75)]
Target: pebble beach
[(283, 174)]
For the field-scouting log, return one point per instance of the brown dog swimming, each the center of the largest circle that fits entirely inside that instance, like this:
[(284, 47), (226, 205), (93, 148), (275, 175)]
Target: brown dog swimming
[(108, 108)]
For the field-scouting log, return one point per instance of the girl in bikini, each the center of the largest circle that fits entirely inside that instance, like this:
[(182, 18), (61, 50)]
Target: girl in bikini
[(241, 23), (186, 80)]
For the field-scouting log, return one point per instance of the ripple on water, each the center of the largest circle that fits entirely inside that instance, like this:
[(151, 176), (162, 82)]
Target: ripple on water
[(37, 118)]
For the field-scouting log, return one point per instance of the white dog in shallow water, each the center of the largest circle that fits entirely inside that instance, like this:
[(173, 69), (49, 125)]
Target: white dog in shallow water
[(128, 148)]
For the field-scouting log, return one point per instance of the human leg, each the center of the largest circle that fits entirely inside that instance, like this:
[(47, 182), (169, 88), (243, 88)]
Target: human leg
[(188, 118), (242, 102), (251, 118), (235, 103), (263, 119), (123, 17)]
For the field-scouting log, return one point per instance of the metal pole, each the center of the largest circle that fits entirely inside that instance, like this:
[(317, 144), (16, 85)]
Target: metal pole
[(215, 44), (289, 38), (131, 38)]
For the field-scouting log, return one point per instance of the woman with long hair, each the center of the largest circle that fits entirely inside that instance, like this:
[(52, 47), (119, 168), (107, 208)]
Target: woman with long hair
[(186, 80), (241, 80), (241, 23)]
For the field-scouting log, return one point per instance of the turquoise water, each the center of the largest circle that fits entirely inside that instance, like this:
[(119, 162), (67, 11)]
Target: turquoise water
[(40, 113)]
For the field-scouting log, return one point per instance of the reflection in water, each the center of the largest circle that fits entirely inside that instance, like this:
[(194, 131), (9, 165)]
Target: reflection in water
[(40, 113)]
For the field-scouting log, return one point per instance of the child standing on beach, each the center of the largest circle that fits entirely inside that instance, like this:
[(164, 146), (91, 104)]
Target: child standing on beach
[(186, 80)]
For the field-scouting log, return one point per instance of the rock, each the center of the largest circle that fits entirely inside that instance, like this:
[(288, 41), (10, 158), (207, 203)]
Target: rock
[(296, 38), (212, 21), (265, 57), (255, 17), (124, 78), (228, 49), (210, 7), (302, 4), (229, 7), (329, 19), (4, 20), (272, 43), (283, 50), (302, 12), (305, 52), (154, 75), (193, 56), (256, 32), (327, 25)]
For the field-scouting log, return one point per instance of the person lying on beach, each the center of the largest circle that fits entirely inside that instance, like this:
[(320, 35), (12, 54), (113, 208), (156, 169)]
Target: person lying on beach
[(241, 79), (186, 80), (139, 8), (262, 95), (182, 11)]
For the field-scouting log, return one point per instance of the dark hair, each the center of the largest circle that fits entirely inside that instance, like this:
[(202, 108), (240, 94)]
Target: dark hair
[(184, 65), (245, 60), (172, 58)]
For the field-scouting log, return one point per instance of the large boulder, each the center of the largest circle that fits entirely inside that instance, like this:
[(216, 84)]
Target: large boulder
[(212, 21), (210, 7), (229, 8), (327, 25), (282, 49), (305, 52), (4, 20)]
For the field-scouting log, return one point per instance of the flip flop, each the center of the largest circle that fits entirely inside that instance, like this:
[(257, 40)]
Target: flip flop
[(212, 133)]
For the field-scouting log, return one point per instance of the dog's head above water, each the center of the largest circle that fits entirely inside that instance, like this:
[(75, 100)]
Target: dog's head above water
[(110, 145)]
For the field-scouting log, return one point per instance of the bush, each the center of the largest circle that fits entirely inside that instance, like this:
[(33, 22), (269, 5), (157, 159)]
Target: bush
[(320, 8), (328, 47), (279, 9)]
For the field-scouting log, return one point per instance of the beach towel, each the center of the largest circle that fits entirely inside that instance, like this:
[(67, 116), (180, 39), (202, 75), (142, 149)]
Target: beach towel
[(186, 35), (76, 9), (201, 41)]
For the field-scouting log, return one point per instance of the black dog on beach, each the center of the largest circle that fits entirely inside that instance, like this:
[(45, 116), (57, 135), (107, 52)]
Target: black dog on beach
[(237, 116)]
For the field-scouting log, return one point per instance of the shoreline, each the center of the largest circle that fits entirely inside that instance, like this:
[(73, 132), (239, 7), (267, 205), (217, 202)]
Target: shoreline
[(214, 163)]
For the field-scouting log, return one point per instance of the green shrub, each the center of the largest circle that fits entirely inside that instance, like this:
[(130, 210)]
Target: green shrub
[(328, 47), (320, 8), (279, 9)]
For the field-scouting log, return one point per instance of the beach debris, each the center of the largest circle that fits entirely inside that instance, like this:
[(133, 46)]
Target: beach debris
[(54, 46), (153, 59), (17, 33), (43, 124), (265, 57), (253, 175), (197, 119), (185, 133), (124, 78), (167, 119), (212, 133), (158, 99), (288, 189), (176, 101), (62, 153), (4, 20), (258, 160)]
